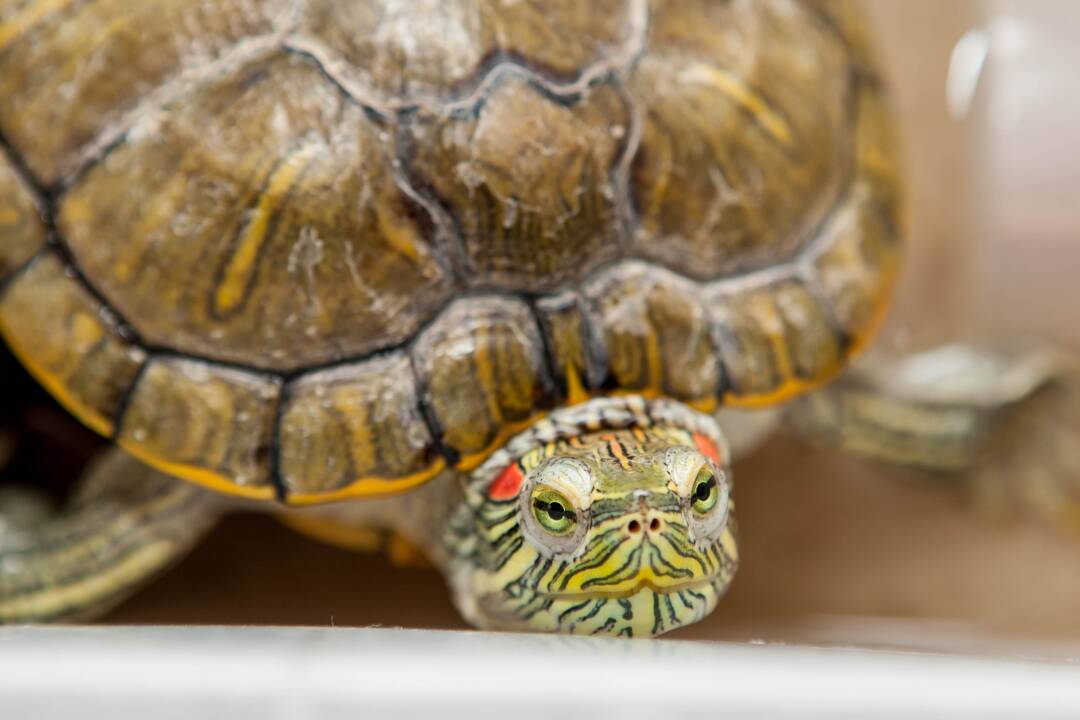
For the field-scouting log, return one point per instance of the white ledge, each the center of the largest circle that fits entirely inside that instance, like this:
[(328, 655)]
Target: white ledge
[(239, 673)]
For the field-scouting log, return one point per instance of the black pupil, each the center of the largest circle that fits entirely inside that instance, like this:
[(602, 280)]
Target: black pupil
[(555, 510), (704, 489)]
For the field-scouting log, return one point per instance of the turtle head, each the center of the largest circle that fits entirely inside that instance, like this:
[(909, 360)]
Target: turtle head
[(624, 531)]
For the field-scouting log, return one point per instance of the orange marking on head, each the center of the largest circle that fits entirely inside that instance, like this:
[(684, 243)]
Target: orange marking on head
[(507, 485), (708, 448)]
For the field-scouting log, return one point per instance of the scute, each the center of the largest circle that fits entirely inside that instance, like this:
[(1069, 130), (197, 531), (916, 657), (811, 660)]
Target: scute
[(204, 422), (355, 429), (528, 181), (657, 333), (484, 373), (746, 138), (69, 342), (855, 268), (71, 70), (258, 222), (776, 340), (578, 362)]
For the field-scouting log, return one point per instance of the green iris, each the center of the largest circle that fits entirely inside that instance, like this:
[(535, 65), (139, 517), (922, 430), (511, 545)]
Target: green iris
[(554, 512), (705, 492)]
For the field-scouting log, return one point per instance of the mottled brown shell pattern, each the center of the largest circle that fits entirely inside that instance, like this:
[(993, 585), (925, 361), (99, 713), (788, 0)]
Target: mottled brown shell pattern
[(317, 250)]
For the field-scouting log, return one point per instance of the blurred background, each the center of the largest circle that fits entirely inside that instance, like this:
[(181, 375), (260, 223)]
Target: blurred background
[(833, 550)]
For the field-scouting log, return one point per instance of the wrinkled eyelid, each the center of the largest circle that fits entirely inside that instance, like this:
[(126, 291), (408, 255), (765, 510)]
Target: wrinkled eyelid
[(683, 465), (568, 477)]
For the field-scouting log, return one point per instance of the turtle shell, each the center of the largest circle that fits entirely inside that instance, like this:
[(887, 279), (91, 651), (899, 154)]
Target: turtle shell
[(323, 250)]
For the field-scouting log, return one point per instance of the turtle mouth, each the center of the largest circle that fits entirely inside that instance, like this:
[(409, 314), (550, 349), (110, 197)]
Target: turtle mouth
[(624, 592)]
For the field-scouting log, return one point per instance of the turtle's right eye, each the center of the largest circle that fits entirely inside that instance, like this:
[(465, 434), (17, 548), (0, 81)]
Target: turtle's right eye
[(554, 506), (553, 512)]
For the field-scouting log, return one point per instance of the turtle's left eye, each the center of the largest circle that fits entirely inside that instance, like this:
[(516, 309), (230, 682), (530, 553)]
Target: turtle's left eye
[(554, 512), (705, 493)]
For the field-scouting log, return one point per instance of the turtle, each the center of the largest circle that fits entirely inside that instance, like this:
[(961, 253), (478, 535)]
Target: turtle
[(512, 282)]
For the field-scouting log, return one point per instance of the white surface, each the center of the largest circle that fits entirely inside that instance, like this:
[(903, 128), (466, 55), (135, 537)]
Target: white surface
[(271, 673)]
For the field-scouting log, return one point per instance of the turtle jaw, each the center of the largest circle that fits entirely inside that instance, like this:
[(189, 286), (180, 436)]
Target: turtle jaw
[(646, 611), (644, 584)]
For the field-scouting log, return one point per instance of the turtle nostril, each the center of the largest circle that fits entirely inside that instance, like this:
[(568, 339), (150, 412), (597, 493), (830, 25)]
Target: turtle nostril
[(654, 525), (634, 526)]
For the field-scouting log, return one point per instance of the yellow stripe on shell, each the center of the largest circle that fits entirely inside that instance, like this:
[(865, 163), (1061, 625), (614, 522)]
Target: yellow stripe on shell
[(200, 476), (369, 487), (398, 232), (242, 264), (575, 389), (744, 96)]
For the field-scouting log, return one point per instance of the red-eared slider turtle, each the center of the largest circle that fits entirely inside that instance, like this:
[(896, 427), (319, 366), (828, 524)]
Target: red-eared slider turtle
[(480, 272)]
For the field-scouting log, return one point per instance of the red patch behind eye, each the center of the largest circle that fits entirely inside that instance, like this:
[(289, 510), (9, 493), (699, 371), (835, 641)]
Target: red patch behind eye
[(507, 485), (708, 448)]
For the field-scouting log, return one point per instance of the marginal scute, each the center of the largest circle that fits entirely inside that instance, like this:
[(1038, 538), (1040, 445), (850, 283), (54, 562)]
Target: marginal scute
[(576, 346), (656, 331), (259, 222), (352, 424), (205, 423), (528, 181), (482, 367), (22, 233), (877, 152), (776, 340), (857, 263), (69, 342), (746, 139), (73, 69), (397, 52)]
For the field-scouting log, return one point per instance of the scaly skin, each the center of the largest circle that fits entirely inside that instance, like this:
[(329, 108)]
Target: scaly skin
[(640, 557)]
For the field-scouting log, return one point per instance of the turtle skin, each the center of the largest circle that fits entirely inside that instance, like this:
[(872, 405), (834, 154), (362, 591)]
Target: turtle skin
[(314, 251)]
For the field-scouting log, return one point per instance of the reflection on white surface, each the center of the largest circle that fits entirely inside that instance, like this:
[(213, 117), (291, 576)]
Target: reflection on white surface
[(965, 70), (240, 673)]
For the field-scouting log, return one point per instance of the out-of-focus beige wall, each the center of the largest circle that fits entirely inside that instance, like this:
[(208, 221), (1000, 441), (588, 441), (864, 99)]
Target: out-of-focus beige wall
[(915, 42), (994, 194), (1028, 166)]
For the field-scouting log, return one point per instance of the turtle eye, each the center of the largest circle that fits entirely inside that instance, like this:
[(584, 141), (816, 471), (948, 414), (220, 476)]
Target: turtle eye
[(553, 512), (705, 493)]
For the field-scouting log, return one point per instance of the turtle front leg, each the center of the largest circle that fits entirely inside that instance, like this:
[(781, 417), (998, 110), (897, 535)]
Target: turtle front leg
[(1009, 421), (125, 523)]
